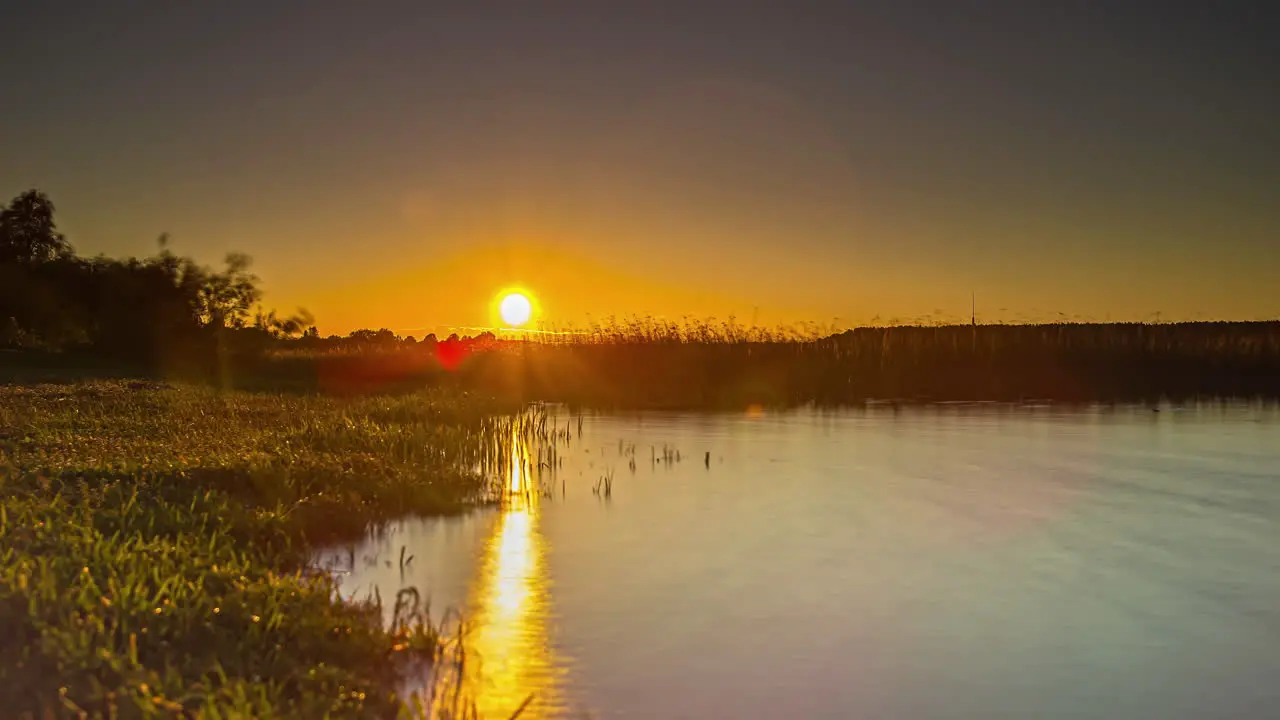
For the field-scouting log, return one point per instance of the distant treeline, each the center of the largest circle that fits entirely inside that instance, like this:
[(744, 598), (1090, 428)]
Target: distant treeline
[(168, 315)]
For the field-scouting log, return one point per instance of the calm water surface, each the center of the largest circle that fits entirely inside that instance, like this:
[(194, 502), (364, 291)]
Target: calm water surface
[(945, 562)]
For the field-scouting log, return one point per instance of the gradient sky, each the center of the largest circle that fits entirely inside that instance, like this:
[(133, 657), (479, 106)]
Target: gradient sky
[(392, 164)]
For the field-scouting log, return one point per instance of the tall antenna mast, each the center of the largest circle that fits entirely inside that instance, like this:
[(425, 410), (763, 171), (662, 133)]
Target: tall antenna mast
[(973, 309)]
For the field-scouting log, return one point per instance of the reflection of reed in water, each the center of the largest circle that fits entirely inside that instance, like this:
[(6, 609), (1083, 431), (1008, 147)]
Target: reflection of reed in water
[(508, 649)]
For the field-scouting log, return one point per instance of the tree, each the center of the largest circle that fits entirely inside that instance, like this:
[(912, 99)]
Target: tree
[(226, 297), (164, 309), (298, 324), (28, 233)]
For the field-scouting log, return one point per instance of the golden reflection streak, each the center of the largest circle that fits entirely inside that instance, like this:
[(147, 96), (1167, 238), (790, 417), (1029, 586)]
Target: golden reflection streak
[(509, 606)]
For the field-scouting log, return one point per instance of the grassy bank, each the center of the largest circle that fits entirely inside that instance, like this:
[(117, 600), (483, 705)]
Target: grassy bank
[(153, 543)]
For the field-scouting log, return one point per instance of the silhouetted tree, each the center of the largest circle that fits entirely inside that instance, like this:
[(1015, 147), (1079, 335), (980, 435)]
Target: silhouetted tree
[(33, 271), (296, 325), (226, 297), (28, 233), (161, 309)]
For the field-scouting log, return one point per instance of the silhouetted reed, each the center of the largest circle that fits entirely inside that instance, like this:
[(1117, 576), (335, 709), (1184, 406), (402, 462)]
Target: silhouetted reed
[(649, 363)]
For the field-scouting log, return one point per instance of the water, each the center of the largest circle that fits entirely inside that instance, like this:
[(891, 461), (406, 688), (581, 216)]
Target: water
[(943, 562)]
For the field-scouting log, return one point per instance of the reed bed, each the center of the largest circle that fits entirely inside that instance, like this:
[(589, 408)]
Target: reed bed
[(710, 366), (705, 365)]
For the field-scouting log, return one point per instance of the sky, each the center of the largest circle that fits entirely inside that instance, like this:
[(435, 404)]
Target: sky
[(395, 164)]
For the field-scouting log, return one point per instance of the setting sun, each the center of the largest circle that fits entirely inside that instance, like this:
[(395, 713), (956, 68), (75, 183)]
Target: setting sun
[(515, 309)]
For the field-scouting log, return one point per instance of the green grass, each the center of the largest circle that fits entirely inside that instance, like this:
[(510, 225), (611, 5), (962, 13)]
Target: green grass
[(154, 541)]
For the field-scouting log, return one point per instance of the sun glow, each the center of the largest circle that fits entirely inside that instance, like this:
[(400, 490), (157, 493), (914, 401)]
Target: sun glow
[(515, 309)]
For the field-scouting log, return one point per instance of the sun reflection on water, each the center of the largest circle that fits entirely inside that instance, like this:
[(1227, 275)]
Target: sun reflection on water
[(510, 606)]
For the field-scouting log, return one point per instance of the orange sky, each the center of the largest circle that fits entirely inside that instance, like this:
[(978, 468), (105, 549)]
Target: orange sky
[(568, 289), (394, 167)]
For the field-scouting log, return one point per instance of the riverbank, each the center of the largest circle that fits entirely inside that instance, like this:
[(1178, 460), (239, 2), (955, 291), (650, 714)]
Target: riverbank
[(154, 544)]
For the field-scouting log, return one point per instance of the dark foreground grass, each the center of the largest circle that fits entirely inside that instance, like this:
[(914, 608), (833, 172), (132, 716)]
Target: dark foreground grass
[(154, 541)]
